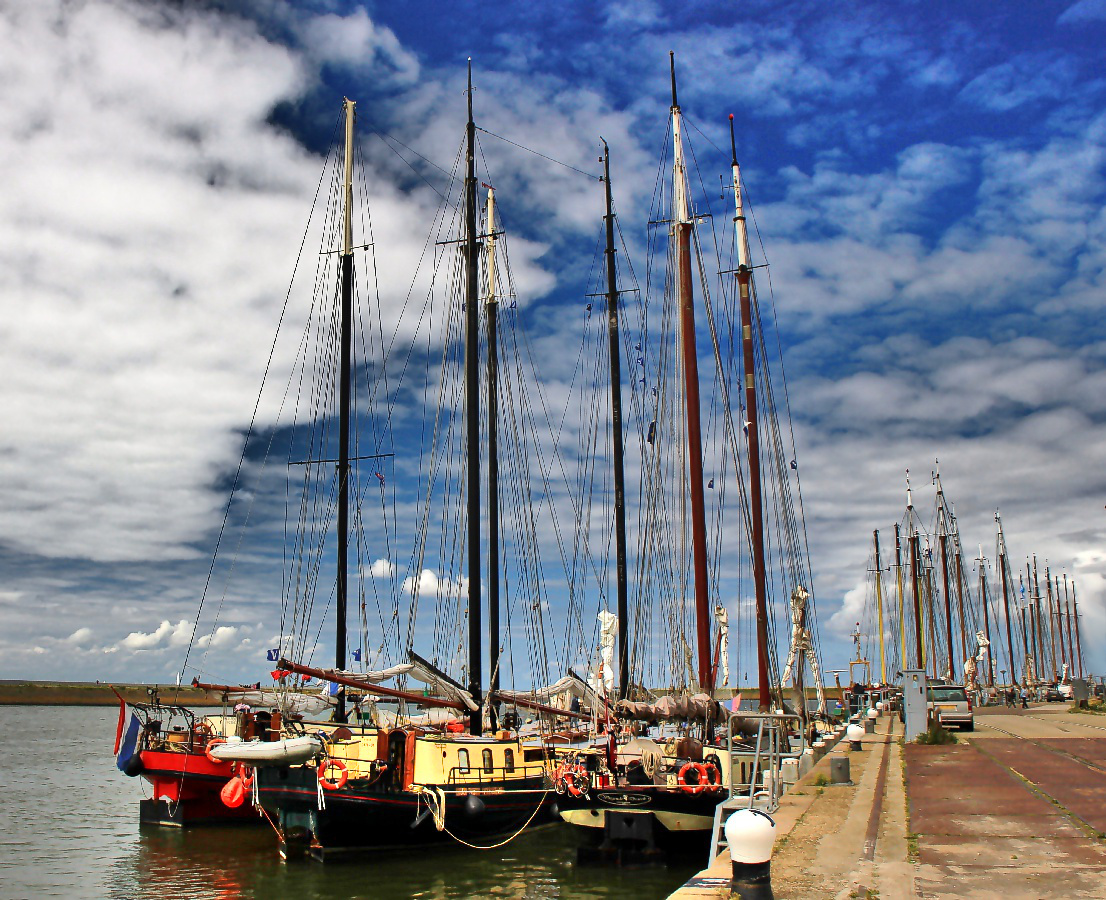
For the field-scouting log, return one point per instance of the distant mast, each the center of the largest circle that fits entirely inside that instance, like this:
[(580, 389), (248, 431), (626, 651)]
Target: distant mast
[(756, 503), (346, 257), (682, 226), (1006, 598), (879, 605)]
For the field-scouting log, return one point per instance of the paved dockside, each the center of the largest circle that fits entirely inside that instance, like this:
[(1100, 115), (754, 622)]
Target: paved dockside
[(1016, 809)]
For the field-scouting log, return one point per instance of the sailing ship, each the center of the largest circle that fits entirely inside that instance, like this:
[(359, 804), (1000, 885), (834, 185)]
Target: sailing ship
[(653, 777), (463, 769)]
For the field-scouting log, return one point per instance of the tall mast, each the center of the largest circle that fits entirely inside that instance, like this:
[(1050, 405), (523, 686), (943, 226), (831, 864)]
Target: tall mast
[(914, 576), (960, 601), (879, 604), (492, 307), (1051, 629), (1034, 618), (745, 300), (1005, 597), (902, 600), (1078, 642), (346, 351), (682, 225), (614, 352), (472, 414), (1027, 623), (986, 616), (1071, 643), (943, 537), (1056, 624)]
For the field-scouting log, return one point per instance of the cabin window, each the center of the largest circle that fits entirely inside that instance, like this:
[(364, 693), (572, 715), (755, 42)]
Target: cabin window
[(463, 760), (509, 760), (488, 767)]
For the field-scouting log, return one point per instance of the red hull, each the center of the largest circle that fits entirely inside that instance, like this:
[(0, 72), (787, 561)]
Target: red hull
[(186, 790)]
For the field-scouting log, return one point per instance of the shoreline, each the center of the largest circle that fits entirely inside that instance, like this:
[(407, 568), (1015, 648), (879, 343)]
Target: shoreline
[(88, 693)]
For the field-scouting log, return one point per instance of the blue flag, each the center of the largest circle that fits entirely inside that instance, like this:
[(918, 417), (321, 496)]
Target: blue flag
[(272, 655), (357, 655)]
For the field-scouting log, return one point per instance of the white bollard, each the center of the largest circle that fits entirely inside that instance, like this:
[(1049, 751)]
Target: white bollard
[(853, 734), (750, 835)]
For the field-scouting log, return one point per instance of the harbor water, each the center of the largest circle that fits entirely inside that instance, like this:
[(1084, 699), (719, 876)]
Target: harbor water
[(69, 828)]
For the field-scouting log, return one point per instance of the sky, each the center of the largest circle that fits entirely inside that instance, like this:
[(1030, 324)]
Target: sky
[(927, 180)]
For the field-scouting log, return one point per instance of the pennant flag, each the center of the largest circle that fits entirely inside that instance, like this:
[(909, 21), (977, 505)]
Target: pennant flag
[(332, 688), (272, 655), (710, 484), (357, 655), (380, 478), (794, 465), (652, 435)]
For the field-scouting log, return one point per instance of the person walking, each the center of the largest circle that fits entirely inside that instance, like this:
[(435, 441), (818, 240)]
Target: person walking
[(1025, 698)]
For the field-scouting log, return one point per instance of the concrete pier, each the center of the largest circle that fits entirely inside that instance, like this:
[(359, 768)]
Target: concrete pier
[(1016, 809)]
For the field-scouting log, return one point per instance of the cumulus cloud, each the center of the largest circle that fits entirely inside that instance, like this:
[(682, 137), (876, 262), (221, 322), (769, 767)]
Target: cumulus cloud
[(428, 584), (172, 635), (382, 568), (80, 636)]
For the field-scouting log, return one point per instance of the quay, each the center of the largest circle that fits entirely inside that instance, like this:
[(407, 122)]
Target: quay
[(1016, 809)]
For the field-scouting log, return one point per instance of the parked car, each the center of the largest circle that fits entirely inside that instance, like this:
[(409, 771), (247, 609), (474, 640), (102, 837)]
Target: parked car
[(950, 705), (1053, 695)]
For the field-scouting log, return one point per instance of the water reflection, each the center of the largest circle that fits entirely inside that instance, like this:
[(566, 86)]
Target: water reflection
[(71, 830)]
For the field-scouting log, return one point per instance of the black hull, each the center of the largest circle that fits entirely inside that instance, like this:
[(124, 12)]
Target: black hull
[(359, 817), (632, 826)]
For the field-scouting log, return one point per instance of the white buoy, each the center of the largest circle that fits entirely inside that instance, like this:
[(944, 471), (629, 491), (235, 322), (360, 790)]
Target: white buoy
[(872, 714), (750, 835), (853, 734)]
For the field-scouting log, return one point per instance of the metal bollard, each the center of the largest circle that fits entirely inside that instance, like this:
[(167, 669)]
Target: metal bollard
[(750, 835), (839, 770)]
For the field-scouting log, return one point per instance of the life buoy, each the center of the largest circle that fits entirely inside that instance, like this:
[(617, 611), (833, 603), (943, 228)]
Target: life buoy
[(714, 776), (333, 784), (204, 727), (245, 774), (701, 784), (208, 754), (574, 780)]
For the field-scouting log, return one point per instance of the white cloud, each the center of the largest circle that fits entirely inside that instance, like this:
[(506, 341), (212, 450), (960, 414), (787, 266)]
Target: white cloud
[(80, 636), (221, 637), (178, 635), (382, 568), (428, 584)]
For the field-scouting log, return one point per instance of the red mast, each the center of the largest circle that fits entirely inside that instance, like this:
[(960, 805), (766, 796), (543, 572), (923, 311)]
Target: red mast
[(682, 225)]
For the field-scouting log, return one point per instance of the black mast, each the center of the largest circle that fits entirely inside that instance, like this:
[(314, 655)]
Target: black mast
[(472, 414), (616, 430), (492, 307), (344, 410)]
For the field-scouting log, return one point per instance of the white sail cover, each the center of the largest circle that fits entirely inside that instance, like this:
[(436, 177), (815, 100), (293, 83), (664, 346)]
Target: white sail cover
[(723, 618), (288, 702), (608, 630), (560, 693), (442, 687)]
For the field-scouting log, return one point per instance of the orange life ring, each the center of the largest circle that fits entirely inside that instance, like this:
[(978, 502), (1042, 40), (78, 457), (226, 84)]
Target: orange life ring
[(207, 751), (336, 783), (575, 780), (701, 784), (714, 777)]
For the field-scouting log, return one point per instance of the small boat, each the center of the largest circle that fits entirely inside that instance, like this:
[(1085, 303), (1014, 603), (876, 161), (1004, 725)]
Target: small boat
[(280, 752)]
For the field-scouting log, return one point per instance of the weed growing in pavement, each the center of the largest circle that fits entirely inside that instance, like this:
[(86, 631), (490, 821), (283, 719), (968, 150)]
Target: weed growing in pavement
[(935, 734), (820, 781)]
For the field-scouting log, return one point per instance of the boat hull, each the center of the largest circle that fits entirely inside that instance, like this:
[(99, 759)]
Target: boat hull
[(186, 790), (360, 817)]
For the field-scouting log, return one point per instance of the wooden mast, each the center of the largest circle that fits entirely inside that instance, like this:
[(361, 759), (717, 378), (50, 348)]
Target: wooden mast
[(914, 576), (346, 352), (1055, 624), (986, 617), (745, 302), (944, 539), (614, 352), (1005, 598), (1034, 618), (1027, 622), (472, 416), (902, 600), (1078, 642), (1051, 630), (682, 226), (1071, 642), (879, 604), (492, 325)]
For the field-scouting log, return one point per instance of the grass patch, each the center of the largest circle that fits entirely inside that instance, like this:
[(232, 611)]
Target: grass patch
[(936, 735), (912, 846), (1094, 708), (820, 781)]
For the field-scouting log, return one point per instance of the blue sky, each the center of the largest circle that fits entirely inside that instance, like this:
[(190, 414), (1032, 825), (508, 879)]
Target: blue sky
[(928, 180)]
